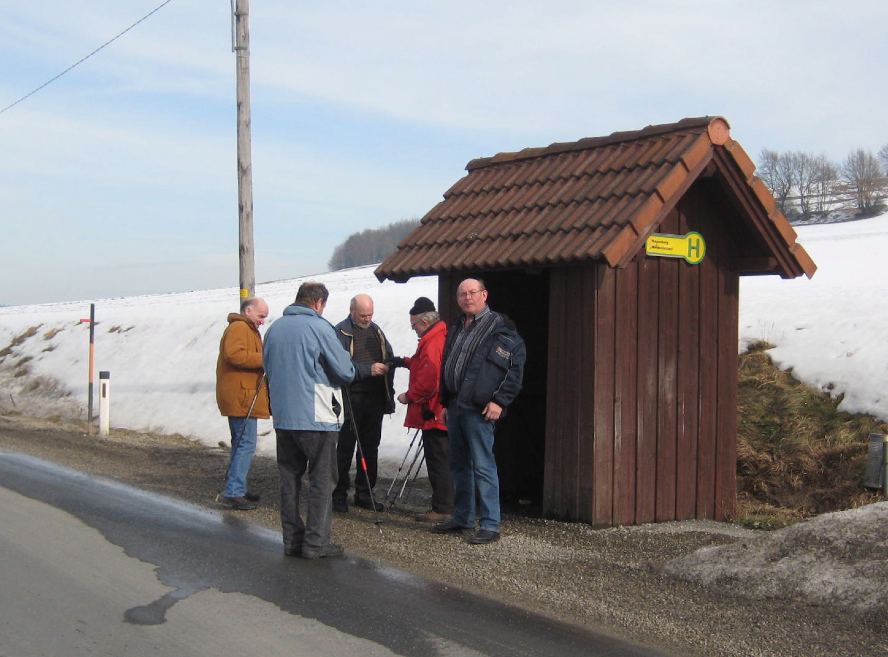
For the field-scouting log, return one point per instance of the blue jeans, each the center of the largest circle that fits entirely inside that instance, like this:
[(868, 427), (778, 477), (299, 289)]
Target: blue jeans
[(243, 446), (475, 479)]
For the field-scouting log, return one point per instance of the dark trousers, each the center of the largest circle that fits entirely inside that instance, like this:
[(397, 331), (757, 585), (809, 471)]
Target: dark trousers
[(316, 451), (368, 418), (436, 447)]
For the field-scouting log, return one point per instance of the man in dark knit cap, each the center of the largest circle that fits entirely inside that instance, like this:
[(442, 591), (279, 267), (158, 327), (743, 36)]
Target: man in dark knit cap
[(372, 395), (423, 399)]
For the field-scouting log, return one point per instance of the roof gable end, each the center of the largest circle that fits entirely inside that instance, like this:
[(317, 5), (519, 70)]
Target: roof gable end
[(595, 198)]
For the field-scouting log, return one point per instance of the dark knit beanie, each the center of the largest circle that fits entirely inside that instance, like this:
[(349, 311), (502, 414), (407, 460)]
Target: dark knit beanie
[(422, 305)]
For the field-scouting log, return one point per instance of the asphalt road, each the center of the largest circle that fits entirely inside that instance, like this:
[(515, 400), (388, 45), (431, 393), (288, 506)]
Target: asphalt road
[(93, 567)]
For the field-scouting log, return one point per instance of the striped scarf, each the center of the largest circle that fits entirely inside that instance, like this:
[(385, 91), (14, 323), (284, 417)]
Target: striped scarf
[(465, 342)]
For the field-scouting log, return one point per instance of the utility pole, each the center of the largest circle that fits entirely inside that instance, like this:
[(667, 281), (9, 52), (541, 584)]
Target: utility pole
[(90, 364), (241, 47)]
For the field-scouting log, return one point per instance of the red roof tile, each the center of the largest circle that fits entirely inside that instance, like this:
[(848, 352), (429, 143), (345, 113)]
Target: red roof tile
[(573, 202)]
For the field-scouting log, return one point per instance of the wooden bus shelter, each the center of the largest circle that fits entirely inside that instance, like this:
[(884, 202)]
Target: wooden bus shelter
[(619, 258)]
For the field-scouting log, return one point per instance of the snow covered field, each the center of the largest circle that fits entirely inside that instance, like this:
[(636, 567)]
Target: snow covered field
[(161, 349)]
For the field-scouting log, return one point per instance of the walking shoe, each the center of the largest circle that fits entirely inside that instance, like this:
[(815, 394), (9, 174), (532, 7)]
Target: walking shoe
[(293, 551), (368, 504), (432, 516), (323, 552), (483, 537), (450, 527), (252, 497), (340, 505), (238, 503)]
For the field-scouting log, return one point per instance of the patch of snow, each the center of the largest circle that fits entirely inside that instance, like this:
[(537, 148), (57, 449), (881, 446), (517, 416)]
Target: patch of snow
[(833, 559)]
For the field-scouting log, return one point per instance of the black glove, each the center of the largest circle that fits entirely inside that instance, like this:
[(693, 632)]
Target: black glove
[(427, 414), (396, 361)]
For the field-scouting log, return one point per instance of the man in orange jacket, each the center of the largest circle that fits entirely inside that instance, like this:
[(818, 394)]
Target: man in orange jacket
[(242, 395), (423, 399)]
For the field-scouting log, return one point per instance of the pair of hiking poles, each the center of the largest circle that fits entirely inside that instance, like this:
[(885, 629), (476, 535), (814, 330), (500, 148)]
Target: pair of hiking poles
[(393, 495), (351, 413)]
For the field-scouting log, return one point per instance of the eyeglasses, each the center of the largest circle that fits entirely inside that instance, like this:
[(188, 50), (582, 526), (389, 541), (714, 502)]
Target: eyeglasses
[(469, 293)]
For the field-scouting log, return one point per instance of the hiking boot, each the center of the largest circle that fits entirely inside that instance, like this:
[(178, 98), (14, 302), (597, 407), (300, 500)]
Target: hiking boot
[(483, 537), (238, 503), (450, 527), (252, 497), (293, 551), (368, 504), (340, 505), (323, 552), (432, 516)]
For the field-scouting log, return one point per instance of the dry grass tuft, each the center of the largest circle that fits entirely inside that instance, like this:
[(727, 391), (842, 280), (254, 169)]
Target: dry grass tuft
[(797, 454), (49, 335), (17, 340)]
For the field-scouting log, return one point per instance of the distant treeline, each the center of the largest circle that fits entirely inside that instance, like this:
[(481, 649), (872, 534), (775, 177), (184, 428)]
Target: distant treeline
[(806, 185), (371, 245)]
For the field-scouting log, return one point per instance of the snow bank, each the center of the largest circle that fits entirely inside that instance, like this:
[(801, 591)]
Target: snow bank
[(161, 351), (833, 559)]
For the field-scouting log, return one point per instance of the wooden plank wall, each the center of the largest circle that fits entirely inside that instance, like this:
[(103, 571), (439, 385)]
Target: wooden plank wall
[(642, 383)]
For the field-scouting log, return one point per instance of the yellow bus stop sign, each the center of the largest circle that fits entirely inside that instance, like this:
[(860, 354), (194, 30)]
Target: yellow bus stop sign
[(691, 247)]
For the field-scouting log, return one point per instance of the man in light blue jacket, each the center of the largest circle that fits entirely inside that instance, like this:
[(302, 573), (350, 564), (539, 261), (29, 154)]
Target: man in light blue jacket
[(306, 365)]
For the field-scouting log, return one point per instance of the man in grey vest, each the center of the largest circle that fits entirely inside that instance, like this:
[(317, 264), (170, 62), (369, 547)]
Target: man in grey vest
[(372, 396)]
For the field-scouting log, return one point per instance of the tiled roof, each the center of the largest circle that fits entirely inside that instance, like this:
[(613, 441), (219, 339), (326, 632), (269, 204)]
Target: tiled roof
[(572, 202)]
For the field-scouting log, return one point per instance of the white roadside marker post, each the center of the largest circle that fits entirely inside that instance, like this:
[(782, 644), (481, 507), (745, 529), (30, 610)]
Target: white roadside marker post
[(104, 403)]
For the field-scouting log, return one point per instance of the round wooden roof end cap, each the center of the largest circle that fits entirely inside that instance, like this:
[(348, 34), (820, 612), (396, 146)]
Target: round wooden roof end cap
[(719, 131)]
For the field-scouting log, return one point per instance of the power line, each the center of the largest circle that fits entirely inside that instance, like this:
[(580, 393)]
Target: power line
[(83, 59)]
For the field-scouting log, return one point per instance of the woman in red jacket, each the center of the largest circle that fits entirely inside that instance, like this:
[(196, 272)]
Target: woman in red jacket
[(423, 401)]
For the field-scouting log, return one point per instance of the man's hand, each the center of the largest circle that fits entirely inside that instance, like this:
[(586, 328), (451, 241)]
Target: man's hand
[(378, 369), (492, 411), (402, 398), (443, 416)]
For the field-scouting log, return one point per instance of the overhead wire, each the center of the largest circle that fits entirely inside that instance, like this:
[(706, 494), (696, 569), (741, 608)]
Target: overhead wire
[(83, 59)]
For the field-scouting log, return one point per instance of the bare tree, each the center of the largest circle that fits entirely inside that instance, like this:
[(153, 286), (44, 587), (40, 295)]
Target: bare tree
[(803, 168), (776, 171), (826, 175), (883, 155), (861, 170)]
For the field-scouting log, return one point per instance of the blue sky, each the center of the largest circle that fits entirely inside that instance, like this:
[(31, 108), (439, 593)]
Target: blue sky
[(120, 177)]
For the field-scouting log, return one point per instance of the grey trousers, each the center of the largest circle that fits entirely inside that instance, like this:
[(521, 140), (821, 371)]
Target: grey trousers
[(296, 452)]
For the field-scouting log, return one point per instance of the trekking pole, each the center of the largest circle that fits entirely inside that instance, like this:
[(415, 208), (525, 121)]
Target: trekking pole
[(351, 411), (241, 432), (401, 467), (420, 451)]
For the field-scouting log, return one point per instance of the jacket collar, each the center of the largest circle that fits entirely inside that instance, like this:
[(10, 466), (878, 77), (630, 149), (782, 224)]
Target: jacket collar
[(299, 309), (237, 317), (436, 328)]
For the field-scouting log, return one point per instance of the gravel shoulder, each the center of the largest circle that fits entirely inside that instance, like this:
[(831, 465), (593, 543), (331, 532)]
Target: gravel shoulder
[(612, 581)]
